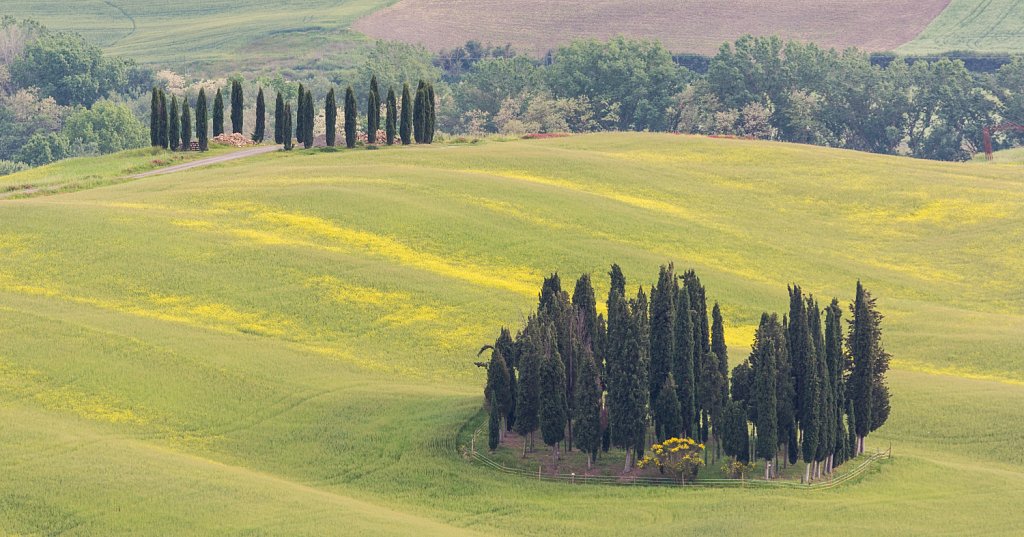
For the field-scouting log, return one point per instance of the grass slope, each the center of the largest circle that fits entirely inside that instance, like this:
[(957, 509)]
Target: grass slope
[(284, 345), (221, 36), (684, 26), (973, 25)]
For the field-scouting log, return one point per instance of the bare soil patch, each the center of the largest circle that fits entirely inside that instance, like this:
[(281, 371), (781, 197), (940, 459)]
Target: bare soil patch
[(537, 26)]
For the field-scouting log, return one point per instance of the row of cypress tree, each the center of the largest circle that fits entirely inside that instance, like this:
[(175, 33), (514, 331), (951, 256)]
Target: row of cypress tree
[(171, 129), (657, 367)]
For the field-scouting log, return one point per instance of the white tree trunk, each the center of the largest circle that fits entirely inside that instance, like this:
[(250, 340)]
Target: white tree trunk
[(629, 462), (807, 473)]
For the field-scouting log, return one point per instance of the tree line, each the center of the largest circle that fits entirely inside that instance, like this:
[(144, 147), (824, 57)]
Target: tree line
[(415, 120), (657, 368)]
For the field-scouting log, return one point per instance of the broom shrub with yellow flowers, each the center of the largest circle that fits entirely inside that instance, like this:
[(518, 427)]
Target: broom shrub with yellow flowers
[(683, 457)]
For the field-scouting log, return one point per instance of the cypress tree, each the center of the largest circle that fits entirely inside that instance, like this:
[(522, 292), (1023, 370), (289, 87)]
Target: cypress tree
[(507, 348), (186, 125), (494, 424), (825, 403), (261, 118), (154, 118), (867, 386), (419, 113), (639, 308), (279, 120), (735, 435), (331, 118), (623, 382), (552, 395), (350, 118), (837, 366), (684, 363), (202, 131), (391, 121), (218, 114), (307, 122), (662, 341), (300, 114), (666, 407), (762, 359), (289, 142), (528, 396), (237, 106), (584, 303), (163, 133), (699, 304), (587, 411), (174, 125), (799, 344), (405, 129), (372, 112), (431, 115), (786, 397), (718, 340), (497, 388)]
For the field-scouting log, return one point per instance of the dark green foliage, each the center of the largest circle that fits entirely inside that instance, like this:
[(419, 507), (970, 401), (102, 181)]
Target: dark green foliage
[(202, 130), (218, 114), (507, 348), (528, 364), (430, 125), (587, 408), (683, 366), (350, 118), (800, 353), (300, 114), (837, 366), (638, 309), (405, 129), (734, 433), (174, 125), (391, 120), (699, 304), (718, 340), (419, 113), (584, 303), (162, 122), (662, 342), (261, 118), (742, 383), (186, 125), (237, 106), (550, 292), (763, 360), (307, 121), (867, 386), (493, 424), (331, 117), (279, 132), (154, 118), (289, 142), (553, 415), (372, 112), (669, 420), (498, 383)]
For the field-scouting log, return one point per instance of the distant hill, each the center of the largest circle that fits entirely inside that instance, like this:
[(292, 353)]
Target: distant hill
[(973, 25)]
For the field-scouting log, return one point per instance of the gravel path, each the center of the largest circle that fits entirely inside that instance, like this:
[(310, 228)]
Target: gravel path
[(208, 161)]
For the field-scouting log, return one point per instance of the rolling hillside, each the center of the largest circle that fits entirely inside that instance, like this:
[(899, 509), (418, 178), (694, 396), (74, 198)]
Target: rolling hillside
[(973, 25), (283, 345)]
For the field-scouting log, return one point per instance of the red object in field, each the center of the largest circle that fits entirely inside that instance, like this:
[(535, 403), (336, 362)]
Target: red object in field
[(986, 134)]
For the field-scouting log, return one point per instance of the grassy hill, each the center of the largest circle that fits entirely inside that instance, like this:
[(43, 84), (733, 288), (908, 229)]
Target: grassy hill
[(972, 25), (283, 345), (222, 36)]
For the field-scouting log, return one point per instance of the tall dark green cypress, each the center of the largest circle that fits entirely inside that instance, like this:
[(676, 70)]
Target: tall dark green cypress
[(430, 126), (289, 141), (825, 400), (279, 120), (405, 129), (186, 125), (350, 118), (202, 115), (497, 388), (662, 342), (493, 424), (506, 346), (154, 118), (261, 118), (799, 343), (331, 118), (718, 340), (174, 125), (587, 410), (237, 106), (867, 385), (419, 113), (391, 121), (162, 122), (735, 436), (837, 366), (218, 114), (300, 114), (684, 363), (307, 122), (553, 415), (372, 111), (763, 362), (584, 303), (528, 395)]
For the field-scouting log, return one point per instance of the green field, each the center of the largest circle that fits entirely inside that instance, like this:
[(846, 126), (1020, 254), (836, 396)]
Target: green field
[(973, 25), (283, 345), (219, 36)]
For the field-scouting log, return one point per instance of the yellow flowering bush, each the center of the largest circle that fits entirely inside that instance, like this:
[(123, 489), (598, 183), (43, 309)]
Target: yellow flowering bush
[(680, 456)]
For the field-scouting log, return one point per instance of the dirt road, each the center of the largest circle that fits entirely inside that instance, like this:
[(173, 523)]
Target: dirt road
[(208, 161)]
